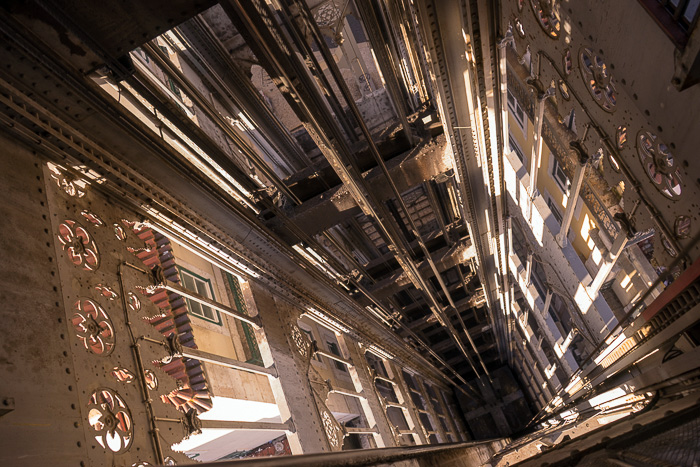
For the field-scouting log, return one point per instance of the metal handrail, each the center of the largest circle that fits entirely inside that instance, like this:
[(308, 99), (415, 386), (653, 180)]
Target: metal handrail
[(359, 457)]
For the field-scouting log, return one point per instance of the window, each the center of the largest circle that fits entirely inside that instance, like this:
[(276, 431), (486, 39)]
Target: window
[(684, 12), (142, 53), (201, 286), (516, 148), (252, 352), (675, 17), (377, 364), (333, 348), (519, 242), (539, 277), (560, 314), (176, 90), (518, 112), (555, 211), (559, 175)]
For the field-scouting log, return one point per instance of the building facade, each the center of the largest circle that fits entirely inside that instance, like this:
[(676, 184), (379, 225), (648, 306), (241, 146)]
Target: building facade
[(252, 228)]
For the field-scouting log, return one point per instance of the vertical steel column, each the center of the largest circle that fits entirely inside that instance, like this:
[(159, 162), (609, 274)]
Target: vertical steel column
[(386, 60), (415, 45), (291, 388), (398, 17), (464, 88), (448, 415), (442, 436), (370, 404), (457, 419), (405, 393), (208, 55), (571, 203)]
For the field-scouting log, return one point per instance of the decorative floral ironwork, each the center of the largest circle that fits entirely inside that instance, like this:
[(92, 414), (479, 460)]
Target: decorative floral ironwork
[(137, 251), (564, 90), (111, 420), (682, 227), (78, 243), (119, 232), (327, 15), (568, 62), (613, 162), (92, 218), (123, 375), (133, 301), (300, 341), (330, 426), (598, 80), (151, 379), (599, 211), (621, 136), (94, 327), (659, 164), (67, 182), (547, 16), (667, 246), (107, 292)]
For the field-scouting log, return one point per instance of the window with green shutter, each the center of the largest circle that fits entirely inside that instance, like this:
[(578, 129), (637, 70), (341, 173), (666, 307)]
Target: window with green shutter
[(248, 332)]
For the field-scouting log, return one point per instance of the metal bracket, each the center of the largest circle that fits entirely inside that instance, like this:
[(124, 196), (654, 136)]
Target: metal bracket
[(539, 89), (622, 218), (580, 150), (191, 423), (7, 406), (157, 276), (174, 348)]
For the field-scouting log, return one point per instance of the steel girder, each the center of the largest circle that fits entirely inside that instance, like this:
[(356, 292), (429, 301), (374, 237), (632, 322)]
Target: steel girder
[(137, 148), (464, 76)]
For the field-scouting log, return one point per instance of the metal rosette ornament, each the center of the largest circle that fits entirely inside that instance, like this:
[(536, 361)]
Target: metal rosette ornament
[(111, 420), (547, 16), (597, 79), (77, 242), (659, 164), (93, 327)]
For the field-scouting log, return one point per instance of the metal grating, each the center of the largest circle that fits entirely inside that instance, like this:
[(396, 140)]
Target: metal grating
[(679, 446)]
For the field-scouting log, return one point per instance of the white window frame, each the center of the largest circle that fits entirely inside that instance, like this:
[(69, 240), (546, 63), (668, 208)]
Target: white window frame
[(311, 336), (339, 366), (515, 147), (557, 173), (202, 286), (538, 282), (558, 216), (518, 112)]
